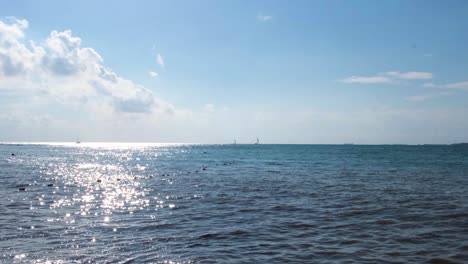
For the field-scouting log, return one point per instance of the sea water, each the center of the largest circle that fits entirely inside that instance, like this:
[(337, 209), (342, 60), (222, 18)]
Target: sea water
[(182, 203)]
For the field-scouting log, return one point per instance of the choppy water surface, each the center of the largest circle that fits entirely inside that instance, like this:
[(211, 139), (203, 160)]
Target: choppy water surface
[(117, 203)]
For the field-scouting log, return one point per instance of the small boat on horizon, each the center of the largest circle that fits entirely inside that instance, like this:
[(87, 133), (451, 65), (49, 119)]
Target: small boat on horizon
[(258, 141)]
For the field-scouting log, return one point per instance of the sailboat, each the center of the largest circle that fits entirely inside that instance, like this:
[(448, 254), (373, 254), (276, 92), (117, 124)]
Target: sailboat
[(235, 142), (258, 141)]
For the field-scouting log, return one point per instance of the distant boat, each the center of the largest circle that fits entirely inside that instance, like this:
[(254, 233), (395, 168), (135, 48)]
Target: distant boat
[(78, 141), (235, 142), (258, 141)]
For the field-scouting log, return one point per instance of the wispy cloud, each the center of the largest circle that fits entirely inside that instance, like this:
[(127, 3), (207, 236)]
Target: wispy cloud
[(429, 85), (264, 18), (388, 77), (425, 97), (366, 79), (419, 98), (455, 85), (458, 85), (160, 61), (153, 73), (410, 75)]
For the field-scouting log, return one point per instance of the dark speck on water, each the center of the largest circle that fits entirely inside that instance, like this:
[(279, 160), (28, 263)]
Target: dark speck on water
[(272, 204)]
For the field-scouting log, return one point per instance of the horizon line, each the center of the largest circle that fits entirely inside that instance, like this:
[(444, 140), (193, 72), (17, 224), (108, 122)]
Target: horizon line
[(198, 143)]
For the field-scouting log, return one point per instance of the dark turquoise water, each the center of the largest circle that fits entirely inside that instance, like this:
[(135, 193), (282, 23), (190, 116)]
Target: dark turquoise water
[(114, 203)]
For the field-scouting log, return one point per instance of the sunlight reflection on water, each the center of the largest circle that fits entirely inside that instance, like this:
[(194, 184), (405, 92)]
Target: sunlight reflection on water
[(100, 187)]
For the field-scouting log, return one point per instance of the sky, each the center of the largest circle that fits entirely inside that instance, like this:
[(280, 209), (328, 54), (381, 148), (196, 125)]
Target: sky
[(313, 72)]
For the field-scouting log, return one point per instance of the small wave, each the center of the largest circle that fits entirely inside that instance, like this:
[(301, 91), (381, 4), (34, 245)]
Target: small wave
[(299, 225), (212, 236), (441, 261), (385, 222)]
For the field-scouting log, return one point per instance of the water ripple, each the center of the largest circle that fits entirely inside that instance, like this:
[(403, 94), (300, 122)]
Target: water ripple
[(159, 203)]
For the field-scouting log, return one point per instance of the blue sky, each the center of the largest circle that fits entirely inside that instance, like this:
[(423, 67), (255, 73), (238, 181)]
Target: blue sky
[(210, 71)]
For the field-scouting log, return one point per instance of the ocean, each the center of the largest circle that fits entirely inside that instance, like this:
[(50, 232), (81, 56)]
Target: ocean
[(182, 203)]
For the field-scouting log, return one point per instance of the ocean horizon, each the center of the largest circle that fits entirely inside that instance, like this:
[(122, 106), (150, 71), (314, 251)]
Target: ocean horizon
[(143, 143)]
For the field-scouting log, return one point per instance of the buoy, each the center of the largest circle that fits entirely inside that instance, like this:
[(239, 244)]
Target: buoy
[(12, 154)]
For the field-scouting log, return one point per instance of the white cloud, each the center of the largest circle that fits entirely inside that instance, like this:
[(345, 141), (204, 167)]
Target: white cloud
[(153, 73), (388, 77), (429, 85), (263, 18), (419, 98), (410, 75), (62, 69), (160, 60), (366, 80), (425, 97), (456, 85)]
